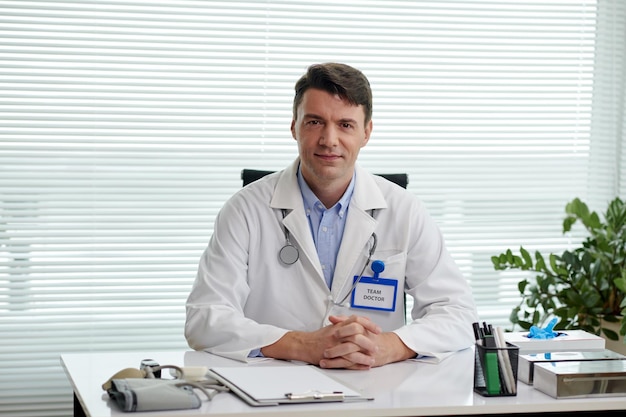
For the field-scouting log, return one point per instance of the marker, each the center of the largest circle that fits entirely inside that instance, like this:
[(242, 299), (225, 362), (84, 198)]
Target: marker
[(492, 373)]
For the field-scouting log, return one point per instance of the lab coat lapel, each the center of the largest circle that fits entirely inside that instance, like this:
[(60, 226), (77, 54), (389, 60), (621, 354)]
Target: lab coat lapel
[(357, 235), (287, 196), (301, 234)]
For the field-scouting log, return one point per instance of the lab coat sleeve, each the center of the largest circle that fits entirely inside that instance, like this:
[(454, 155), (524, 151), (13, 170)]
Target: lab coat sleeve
[(444, 309), (215, 306)]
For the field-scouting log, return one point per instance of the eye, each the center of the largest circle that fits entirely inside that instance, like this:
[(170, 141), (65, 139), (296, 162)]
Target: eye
[(346, 125), (313, 122)]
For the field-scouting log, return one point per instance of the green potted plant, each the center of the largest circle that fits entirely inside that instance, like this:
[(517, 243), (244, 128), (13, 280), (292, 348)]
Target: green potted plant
[(584, 287)]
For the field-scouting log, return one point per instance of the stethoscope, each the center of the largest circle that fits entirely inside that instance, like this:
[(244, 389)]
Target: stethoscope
[(289, 255), (377, 267)]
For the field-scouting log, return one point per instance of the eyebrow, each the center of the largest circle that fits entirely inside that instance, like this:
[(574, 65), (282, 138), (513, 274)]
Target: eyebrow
[(344, 120), (351, 121)]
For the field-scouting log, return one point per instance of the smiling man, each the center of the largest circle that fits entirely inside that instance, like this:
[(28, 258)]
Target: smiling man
[(330, 130), (311, 263)]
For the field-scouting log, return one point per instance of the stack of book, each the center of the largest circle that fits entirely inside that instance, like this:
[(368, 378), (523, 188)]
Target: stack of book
[(574, 364), (528, 361), (579, 379), (566, 341)]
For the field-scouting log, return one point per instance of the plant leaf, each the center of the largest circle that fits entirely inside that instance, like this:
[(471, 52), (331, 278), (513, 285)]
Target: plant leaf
[(610, 334), (521, 286), (528, 260)]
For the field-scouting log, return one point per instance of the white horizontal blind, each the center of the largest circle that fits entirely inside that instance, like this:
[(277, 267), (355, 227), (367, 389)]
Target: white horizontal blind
[(124, 126)]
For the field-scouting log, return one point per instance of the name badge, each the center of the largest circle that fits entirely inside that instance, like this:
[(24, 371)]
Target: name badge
[(375, 294)]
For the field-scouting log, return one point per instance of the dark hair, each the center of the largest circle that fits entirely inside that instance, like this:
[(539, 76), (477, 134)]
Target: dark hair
[(343, 80)]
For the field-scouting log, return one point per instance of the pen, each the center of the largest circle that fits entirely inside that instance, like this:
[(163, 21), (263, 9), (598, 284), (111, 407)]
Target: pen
[(505, 359), (316, 395), (476, 328), (478, 358)]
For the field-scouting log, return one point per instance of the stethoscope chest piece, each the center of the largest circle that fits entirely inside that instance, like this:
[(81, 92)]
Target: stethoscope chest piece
[(288, 254)]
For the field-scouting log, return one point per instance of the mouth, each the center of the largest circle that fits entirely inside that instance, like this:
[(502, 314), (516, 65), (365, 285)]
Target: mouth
[(327, 157)]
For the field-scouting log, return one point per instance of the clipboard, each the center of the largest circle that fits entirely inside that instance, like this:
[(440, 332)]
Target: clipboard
[(291, 384)]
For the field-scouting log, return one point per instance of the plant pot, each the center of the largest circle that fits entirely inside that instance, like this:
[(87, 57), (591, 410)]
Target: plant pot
[(615, 345)]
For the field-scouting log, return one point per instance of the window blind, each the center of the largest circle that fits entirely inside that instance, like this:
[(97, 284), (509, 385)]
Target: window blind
[(124, 126)]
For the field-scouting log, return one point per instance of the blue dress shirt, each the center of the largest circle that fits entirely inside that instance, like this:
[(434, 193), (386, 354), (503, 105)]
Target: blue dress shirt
[(327, 225)]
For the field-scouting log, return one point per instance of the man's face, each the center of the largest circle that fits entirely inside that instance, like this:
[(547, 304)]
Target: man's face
[(330, 132)]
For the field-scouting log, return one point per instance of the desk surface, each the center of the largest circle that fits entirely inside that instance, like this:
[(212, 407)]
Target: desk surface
[(402, 389)]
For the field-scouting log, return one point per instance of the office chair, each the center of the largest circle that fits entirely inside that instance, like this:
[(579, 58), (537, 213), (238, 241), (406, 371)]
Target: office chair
[(251, 175)]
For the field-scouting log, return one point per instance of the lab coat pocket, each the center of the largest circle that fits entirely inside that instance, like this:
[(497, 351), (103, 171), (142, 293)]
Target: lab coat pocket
[(395, 265)]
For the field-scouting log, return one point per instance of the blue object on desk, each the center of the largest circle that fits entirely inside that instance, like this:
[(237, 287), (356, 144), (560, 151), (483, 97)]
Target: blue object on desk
[(546, 333)]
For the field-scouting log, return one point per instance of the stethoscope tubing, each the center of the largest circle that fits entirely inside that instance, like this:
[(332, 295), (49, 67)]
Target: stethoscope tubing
[(356, 281), (289, 255)]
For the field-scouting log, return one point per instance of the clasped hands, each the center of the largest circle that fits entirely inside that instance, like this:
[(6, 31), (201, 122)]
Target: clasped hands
[(353, 342), (350, 342)]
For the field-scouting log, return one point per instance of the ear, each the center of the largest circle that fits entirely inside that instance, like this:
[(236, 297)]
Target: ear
[(368, 132), (293, 129)]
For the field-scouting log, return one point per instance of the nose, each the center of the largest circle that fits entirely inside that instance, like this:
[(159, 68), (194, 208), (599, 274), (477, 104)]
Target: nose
[(329, 136)]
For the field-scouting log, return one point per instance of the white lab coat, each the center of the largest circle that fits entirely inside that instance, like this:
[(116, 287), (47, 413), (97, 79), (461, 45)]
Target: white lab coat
[(245, 298)]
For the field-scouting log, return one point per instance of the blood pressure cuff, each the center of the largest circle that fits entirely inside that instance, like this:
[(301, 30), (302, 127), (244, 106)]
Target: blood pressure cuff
[(142, 394)]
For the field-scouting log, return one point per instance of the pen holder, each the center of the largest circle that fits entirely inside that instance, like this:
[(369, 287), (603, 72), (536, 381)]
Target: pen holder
[(495, 370)]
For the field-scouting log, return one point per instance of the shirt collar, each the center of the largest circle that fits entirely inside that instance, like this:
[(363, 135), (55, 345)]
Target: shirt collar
[(311, 201)]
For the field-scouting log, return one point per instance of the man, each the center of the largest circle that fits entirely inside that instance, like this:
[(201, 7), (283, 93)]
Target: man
[(288, 273)]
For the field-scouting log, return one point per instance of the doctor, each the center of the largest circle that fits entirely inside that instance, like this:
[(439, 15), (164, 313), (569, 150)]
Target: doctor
[(311, 263)]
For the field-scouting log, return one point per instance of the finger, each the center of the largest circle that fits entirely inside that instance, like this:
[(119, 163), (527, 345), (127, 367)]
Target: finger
[(356, 333), (367, 324), (337, 319), (336, 363), (344, 364), (355, 343), (358, 367), (356, 360), (340, 350)]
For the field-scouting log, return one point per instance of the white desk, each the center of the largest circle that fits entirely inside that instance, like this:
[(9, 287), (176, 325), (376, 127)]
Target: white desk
[(401, 389)]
